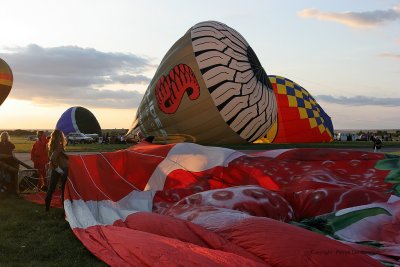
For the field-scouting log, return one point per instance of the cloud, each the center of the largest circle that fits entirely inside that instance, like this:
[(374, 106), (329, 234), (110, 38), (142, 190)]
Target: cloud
[(359, 100), (355, 19), (77, 76), (390, 55)]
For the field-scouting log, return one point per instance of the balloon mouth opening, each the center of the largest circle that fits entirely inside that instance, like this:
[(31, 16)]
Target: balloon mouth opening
[(258, 70)]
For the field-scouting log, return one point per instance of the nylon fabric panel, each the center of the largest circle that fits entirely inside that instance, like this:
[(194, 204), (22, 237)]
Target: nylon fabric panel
[(139, 248), (94, 175), (300, 118), (65, 123), (182, 230), (251, 234), (6, 80), (270, 240)]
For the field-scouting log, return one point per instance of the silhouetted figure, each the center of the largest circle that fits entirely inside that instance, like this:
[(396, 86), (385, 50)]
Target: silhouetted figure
[(9, 167), (40, 158), (377, 143), (107, 138), (149, 139), (58, 164)]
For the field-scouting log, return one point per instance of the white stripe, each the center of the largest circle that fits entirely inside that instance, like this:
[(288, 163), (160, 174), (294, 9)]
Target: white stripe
[(382, 205), (74, 120), (393, 199), (190, 157), (145, 154), (83, 214)]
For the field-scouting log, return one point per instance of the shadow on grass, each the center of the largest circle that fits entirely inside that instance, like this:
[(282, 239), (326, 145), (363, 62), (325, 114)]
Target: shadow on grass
[(31, 237)]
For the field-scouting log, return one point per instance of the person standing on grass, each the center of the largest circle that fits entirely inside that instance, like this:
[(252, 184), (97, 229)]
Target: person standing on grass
[(6, 147), (58, 164), (7, 151), (40, 158), (377, 143)]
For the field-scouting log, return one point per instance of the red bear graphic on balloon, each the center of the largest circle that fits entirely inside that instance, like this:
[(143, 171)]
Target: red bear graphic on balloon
[(171, 88)]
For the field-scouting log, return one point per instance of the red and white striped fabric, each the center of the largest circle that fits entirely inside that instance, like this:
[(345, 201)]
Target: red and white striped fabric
[(191, 205)]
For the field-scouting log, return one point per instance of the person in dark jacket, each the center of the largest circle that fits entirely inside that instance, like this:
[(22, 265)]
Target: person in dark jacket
[(9, 171), (377, 143)]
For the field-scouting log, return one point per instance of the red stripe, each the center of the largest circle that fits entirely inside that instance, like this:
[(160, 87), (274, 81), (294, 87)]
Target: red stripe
[(6, 76), (93, 175)]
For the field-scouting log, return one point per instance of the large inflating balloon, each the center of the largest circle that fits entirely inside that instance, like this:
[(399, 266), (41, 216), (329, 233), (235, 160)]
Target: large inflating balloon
[(6, 80), (210, 88), (300, 118), (78, 119)]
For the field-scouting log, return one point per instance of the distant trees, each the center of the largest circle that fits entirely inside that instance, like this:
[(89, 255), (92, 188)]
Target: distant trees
[(366, 135), (381, 133), (20, 132)]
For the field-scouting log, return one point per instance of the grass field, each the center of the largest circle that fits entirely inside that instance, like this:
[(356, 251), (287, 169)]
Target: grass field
[(23, 145), (31, 237)]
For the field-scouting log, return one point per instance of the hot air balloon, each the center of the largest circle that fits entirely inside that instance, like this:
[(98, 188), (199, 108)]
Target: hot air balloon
[(300, 118), (80, 120), (6, 80), (210, 88)]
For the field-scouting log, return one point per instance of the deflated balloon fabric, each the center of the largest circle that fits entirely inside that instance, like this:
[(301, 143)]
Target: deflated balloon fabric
[(187, 204)]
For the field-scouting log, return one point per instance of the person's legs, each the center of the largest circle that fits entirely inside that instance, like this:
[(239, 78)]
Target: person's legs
[(53, 183), (64, 178), (42, 175), (14, 176)]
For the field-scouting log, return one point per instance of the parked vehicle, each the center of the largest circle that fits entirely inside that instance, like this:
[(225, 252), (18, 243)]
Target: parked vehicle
[(75, 138), (363, 137), (94, 136), (32, 138), (346, 137)]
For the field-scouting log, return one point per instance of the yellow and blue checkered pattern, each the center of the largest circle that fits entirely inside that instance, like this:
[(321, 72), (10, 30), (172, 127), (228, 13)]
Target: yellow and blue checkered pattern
[(308, 108)]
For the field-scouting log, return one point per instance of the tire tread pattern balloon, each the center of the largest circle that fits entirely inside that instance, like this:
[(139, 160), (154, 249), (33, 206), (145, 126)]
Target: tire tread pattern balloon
[(235, 79)]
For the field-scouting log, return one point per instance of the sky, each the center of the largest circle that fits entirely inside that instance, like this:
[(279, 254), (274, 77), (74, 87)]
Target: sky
[(102, 54)]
